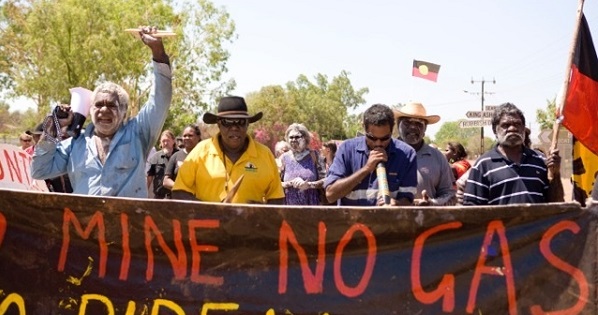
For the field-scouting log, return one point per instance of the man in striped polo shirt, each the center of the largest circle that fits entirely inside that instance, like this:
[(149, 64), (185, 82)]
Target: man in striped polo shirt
[(510, 172)]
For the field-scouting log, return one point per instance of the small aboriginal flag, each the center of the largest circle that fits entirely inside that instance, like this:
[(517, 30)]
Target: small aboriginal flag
[(425, 70)]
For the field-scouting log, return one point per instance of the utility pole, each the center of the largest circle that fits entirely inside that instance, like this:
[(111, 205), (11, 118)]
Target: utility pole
[(482, 81)]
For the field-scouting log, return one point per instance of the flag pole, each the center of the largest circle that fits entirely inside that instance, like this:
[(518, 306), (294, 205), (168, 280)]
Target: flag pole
[(563, 96)]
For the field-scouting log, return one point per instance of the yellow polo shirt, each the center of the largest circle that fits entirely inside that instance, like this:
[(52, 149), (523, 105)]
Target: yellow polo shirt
[(205, 175)]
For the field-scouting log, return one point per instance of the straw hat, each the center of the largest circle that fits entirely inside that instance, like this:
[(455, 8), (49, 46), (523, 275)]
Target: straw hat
[(416, 110)]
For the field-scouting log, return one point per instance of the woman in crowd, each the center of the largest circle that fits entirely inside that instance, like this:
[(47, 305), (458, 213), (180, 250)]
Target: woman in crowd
[(191, 137), (301, 174), (26, 141), (158, 162), (457, 158), (329, 151)]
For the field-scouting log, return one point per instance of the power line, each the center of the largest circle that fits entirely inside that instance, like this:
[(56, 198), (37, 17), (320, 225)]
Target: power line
[(482, 93)]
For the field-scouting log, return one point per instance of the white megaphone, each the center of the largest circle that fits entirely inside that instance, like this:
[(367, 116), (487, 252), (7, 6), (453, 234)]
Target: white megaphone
[(80, 104)]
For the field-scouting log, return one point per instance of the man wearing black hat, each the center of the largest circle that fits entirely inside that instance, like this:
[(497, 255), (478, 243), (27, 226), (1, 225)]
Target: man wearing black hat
[(231, 166)]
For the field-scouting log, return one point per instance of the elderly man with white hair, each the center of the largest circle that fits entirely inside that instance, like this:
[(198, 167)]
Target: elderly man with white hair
[(108, 159), (434, 175)]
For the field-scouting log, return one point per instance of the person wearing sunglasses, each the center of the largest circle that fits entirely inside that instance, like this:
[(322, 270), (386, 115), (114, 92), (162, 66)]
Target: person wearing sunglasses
[(231, 166), (434, 175), (26, 141), (108, 158), (302, 174), (352, 179)]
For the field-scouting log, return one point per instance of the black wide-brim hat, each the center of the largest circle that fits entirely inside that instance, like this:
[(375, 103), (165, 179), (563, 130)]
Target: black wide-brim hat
[(231, 107)]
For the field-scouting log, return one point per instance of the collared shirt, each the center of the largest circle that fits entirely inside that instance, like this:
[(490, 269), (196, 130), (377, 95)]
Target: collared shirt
[(496, 180), (174, 163), (123, 173), (209, 175), (434, 175), (158, 163), (401, 171)]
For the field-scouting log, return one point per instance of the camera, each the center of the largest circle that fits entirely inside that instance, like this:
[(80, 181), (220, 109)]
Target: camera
[(61, 111)]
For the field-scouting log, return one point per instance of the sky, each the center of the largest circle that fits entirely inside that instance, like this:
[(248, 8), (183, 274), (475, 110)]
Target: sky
[(519, 48)]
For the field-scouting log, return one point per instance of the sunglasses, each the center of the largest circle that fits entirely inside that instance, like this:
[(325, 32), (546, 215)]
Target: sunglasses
[(295, 137), (229, 122), (385, 138)]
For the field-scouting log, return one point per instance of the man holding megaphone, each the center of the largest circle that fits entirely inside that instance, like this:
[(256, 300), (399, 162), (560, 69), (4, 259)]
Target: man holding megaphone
[(374, 169), (108, 157)]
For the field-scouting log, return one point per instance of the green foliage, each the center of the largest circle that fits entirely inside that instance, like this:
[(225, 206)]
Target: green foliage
[(47, 47), (354, 125), (14, 123), (450, 131), (468, 137), (546, 118), (200, 62), (322, 106)]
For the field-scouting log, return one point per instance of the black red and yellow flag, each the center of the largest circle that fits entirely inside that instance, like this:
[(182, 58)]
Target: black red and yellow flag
[(425, 70), (580, 112), (585, 168)]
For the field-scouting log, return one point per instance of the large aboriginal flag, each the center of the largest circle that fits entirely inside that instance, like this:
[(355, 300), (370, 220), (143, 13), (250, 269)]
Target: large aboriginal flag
[(585, 168), (425, 70), (580, 111)]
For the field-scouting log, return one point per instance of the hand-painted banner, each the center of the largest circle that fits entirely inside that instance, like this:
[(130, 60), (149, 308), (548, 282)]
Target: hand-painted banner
[(68, 254), (15, 170)]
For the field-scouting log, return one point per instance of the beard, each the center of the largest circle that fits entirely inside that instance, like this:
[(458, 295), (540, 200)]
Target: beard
[(511, 140)]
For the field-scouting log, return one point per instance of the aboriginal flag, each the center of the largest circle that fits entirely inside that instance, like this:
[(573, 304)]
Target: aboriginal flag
[(425, 70), (585, 168), (580, 113)]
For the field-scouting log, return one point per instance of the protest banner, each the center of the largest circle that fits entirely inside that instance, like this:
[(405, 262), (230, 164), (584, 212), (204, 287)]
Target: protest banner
[(69, 254), (15, 170)]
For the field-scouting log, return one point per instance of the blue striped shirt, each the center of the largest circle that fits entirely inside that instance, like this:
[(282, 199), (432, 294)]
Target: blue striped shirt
[(401, 170), (496, 180)]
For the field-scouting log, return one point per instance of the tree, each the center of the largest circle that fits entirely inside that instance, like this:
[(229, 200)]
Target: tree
[(546, 118), (468, 137), (201, 60), (47, 47), (450, 131), (322, 106)]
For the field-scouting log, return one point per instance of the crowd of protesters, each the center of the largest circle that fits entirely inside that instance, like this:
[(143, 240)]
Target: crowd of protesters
[(109, 157)]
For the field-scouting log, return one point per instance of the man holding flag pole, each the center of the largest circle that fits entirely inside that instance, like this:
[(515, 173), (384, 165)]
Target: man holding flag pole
[(578, 108)]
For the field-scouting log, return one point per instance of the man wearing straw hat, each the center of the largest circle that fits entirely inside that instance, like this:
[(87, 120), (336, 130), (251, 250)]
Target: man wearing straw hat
[(434, 175), (108, 158), (230, 167)]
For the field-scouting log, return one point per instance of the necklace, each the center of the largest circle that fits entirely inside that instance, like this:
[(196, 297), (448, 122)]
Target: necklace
[(103, 146)]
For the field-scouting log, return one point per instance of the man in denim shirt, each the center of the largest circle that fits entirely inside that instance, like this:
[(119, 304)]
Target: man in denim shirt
[(108, 159)]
